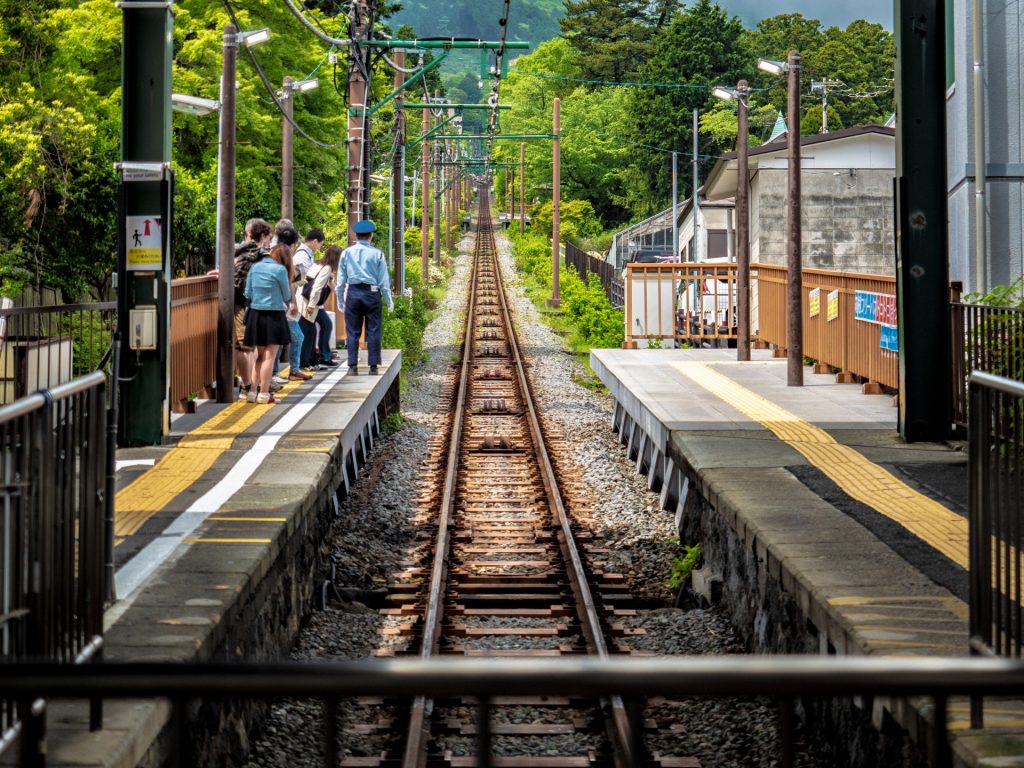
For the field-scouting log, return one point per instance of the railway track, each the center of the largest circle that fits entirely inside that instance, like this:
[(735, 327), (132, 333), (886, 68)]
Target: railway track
[(503, 575)]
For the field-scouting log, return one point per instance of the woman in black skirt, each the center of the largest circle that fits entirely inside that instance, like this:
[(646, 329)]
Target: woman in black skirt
[(266, 329)]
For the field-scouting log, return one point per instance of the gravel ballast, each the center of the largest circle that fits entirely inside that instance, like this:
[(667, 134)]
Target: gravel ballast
[(375, 530)]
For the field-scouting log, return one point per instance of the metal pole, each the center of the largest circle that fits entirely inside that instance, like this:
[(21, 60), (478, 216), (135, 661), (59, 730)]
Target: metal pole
[(980, 155), (438, 179), (675, 206), (226, 223), (824, 106), (287, 148), (696, 197), (794, 292), (522, 188), (742, 228), (425, 202), (556, 200), (398, 183), (357, 98)]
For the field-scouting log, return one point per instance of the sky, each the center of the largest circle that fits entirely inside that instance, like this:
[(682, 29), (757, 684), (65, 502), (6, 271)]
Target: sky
[(829, 12)]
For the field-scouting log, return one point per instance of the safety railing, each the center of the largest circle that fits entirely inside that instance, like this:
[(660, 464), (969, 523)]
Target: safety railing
[(693, 302), (783, 678), (56, 527), (42, 347), (989, 339), (194, 302), (585, 265), (996, 462), (849, 320)]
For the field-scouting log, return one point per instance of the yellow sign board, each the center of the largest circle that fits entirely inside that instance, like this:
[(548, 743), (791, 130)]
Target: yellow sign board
[(833, 305), (815, 301)]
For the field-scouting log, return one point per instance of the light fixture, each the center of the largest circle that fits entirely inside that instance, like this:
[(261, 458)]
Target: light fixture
[(305, 85), (255, 37), (193, 105), (723, 93), (772, 67)]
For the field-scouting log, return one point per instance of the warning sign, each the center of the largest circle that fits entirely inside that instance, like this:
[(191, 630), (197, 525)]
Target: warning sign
[(144, 237)]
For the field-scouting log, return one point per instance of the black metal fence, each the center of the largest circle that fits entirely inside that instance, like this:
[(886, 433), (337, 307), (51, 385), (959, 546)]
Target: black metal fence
[(784, 678), (56, 518), (611, 280), (42, 347), (989, 339)]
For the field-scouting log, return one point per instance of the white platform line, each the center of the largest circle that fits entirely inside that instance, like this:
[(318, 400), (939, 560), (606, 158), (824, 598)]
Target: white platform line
[(133, 574)]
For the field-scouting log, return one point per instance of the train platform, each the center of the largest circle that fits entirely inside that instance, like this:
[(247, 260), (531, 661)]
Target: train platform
[(811, 489), (217, 538)]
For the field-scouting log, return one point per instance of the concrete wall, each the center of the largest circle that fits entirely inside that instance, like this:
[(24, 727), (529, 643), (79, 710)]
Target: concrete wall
[(846, 218)]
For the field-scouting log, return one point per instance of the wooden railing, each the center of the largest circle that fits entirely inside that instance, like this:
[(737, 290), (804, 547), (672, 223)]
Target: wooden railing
[(836, 333), (693, 302), (609, 276), (193, 339)]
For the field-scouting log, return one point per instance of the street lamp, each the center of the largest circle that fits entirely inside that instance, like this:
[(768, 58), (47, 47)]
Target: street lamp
[(794, 293), (226, 209), (193, 105), (289, 88), (742, 218)]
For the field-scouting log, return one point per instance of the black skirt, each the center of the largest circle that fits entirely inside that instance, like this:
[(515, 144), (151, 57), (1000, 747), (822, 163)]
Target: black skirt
[(267, 327)]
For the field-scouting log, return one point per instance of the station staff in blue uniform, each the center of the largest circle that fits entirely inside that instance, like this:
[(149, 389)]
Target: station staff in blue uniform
[(364, 273)]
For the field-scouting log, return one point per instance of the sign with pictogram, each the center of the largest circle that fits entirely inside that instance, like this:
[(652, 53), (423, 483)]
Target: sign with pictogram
[(144, 240)]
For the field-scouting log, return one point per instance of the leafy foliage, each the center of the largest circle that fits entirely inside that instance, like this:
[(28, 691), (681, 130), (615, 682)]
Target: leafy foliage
[(682, 567)]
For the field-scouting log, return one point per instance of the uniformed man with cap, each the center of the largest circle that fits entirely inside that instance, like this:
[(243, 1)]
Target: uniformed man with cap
[(365, 274)]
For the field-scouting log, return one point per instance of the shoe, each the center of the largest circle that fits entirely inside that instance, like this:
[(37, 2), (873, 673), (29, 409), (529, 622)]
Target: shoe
[(243, 393), (275, 387), (374, 371), (251, 396), (266, 398), (309, 370), (299, 376), (353, 371), (329, 363), (280, 380)]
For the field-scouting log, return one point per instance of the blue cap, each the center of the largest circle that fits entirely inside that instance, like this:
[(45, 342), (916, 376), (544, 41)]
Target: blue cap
[(364, 227)]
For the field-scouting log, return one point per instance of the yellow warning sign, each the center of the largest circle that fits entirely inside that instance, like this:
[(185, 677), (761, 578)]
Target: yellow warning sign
[(144, 238)]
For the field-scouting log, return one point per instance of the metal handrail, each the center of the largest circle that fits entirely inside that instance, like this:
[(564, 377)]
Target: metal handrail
[(39, 399), (1000, 383)]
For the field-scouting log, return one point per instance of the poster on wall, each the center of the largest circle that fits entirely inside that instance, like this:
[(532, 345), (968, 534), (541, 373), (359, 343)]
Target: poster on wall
[(833, 305), (879, 308), (889, 338), (814, 300)]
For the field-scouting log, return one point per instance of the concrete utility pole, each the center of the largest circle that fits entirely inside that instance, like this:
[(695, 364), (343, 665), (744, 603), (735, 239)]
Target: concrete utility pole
[(226, 222), (742, 227), (287, 151), (438, 186), (675, 205), (522, 188), (922, 271), (696, 197), (398, 183), (556, 200), (425, 200), (145, 216), (358, 95), (794, 293)]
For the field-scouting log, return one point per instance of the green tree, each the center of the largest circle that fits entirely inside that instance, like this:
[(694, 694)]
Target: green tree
[(613, 36)]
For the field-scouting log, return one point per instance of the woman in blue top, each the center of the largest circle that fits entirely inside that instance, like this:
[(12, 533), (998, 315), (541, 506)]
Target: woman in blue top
[(267, 291)]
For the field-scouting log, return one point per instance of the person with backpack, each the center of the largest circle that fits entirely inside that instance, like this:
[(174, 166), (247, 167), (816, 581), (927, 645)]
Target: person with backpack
[(310, 298), (252, 249), (266, 329)]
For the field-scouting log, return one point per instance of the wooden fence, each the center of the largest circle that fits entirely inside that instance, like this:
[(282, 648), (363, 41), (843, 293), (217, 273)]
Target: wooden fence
[(586, 264), (193, 339), (838, 332)]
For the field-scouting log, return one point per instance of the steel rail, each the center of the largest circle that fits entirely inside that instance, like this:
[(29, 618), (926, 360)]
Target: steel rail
[(590, 620)]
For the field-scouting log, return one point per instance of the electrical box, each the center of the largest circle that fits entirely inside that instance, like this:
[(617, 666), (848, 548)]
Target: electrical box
[(142, 328)]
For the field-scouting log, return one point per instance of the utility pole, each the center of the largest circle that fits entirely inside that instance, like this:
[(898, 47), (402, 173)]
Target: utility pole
[(675, 205), (822, 85), (794, 265), (145, 216), (358, 95), (226, 222), (447, 191), (522, 188), (438, 187), (398, 182), (742, 226), (425, 201), (287, 150), (696, 197), (556, 200), (922, 270)]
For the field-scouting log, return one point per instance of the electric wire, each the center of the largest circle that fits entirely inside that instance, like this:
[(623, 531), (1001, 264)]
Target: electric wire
[(312, 28)]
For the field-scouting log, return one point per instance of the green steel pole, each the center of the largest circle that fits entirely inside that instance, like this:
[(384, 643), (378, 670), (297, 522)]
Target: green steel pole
[(444, 43), (922, 267), (144, 222)]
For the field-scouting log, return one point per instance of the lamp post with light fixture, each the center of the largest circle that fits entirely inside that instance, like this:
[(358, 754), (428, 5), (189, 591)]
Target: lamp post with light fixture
[(226, 209), (794, 266), (288, 90), (742, 217)]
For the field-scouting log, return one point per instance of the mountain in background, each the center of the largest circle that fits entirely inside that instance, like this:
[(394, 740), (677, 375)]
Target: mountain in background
[(532, 20)]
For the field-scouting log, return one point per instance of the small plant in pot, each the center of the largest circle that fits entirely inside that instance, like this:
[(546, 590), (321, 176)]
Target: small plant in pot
[(192, 402)]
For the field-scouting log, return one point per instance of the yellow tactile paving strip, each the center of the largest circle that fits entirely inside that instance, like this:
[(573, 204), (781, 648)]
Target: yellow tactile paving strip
[(183, 465), (858, 477)]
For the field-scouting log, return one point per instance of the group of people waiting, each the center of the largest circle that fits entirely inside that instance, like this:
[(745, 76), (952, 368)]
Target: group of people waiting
[(280, 292)]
